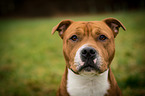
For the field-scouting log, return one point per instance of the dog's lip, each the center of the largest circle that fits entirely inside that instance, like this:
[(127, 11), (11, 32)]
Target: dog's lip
[(88, 68)]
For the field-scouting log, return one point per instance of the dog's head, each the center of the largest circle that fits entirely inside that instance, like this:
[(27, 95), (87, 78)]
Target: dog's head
[(88, 47)]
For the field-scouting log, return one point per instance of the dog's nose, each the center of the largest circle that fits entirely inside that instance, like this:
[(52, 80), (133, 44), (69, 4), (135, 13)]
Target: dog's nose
[(88, 52)]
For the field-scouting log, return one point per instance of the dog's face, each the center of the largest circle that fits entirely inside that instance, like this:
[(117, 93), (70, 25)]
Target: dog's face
[(88, 47)]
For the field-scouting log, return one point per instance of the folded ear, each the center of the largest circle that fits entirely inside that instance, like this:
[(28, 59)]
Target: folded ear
[(61, 27), (114, 24)]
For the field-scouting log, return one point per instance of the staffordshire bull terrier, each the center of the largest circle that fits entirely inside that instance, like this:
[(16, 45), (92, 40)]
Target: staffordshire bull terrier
[(88, 48)]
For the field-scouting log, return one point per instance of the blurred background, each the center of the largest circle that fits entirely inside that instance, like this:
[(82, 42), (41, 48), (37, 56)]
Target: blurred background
[(54, 7), (31, 59)]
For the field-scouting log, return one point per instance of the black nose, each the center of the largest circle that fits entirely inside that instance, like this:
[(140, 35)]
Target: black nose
[(88, 52)]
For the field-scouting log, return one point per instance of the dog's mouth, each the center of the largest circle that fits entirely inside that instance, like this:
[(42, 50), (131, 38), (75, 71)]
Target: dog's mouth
[(89, 66)]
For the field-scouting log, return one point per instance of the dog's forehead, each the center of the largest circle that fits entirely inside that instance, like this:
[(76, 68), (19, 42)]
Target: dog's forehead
[(88, 26), (84, 24)]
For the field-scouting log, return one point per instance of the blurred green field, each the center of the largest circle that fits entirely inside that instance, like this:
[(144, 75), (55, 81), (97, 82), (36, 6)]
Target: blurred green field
[(32, 63)]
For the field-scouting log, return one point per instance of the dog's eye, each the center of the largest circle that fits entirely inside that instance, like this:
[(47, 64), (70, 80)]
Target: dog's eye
[(74, 38), (102, 37)]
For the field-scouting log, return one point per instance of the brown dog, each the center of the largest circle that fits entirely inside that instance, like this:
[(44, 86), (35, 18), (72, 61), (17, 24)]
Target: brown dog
[(88, 49)]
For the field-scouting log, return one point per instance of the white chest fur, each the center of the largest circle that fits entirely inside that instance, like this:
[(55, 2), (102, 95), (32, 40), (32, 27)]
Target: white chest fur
[(84, 85)]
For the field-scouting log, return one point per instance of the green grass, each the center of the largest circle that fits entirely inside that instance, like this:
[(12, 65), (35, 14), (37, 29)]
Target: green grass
[(32, 63)]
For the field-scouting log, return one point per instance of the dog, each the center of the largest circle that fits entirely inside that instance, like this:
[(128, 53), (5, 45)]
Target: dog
[(88, 49)]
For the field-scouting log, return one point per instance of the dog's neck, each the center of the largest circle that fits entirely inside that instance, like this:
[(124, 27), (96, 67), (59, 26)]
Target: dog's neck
[(87, 85)]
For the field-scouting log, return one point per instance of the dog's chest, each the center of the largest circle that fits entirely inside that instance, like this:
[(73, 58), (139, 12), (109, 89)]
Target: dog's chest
[(78, 85)]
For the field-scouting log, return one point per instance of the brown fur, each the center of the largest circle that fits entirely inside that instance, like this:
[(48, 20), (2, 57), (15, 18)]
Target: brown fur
[(62, 89)]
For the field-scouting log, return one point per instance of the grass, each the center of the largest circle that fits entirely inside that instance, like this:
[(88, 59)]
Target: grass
[(32, 63)]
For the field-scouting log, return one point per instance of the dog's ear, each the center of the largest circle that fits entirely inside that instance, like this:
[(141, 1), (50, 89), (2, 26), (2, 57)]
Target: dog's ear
[(61, 27), (114, 24)]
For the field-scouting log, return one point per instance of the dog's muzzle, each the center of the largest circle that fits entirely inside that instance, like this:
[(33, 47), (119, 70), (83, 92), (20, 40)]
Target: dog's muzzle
[(88, 55)]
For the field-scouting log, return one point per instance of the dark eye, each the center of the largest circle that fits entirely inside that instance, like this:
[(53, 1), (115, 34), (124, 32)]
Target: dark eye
[(102, 37), (74, 38)]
